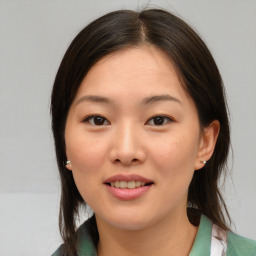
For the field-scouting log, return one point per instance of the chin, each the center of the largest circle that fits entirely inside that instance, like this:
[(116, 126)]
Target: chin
[(130, 225), (130, 222)]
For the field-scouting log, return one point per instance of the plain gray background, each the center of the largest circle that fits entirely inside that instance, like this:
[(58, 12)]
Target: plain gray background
[(34, 36)]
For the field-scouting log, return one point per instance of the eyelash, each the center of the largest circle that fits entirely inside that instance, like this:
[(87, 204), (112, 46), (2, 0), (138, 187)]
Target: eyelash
[(166, 118), (92, 117)]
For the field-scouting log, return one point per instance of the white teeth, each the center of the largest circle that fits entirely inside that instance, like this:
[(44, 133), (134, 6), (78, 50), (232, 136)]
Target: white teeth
[(130, 184), (123, 184), (139, 184)]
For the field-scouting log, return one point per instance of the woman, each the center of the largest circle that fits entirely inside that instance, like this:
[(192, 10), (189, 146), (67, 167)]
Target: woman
[(142, 136)]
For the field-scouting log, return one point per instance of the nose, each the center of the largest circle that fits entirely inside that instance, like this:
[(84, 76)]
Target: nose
[(127, 146)]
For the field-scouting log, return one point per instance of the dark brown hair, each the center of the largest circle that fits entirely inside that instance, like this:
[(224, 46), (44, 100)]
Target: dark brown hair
[(200, 78)]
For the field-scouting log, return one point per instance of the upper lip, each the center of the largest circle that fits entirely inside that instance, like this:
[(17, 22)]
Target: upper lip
[(130, 177)]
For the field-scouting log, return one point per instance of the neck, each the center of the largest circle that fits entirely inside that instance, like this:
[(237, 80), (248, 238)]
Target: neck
[(151, 241)]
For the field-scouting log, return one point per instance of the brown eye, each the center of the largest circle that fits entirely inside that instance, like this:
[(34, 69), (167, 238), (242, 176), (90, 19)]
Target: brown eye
[(97, 120), (159, 120)]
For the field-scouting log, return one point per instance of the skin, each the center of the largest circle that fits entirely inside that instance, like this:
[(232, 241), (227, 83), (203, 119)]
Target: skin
[(128, 141)]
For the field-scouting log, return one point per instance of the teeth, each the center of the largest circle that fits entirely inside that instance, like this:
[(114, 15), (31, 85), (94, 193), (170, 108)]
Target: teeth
[(139, 184), (123, 184), (129, 184)]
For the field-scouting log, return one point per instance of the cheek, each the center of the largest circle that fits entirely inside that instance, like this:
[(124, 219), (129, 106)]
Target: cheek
[(87, 157), (85, 153), (174, 161), (175, 153)]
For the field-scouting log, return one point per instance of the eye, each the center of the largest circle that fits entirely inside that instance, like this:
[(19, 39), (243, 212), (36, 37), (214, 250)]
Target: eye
[(159, 120), (96, 120)]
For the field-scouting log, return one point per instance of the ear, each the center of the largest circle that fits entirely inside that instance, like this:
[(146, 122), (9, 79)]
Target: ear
[(207, 143)]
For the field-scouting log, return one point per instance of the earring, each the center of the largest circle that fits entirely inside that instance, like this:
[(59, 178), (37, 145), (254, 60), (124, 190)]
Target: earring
[(203, 161), (68, 162)]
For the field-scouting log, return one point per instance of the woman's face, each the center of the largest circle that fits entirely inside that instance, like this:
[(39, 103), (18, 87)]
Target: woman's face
[(132, 124)]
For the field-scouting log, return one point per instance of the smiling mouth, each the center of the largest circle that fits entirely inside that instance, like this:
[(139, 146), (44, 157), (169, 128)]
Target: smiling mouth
[(129, 184)]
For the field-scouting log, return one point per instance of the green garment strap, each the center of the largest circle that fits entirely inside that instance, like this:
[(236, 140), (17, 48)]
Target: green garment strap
[(240, 246), (202, 244), (85, 244)]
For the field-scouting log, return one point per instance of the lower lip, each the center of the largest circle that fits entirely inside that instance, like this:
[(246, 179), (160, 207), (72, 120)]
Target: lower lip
[(128, 193)]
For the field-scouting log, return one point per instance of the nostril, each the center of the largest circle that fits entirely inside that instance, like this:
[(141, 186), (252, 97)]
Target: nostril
[(127, 162)]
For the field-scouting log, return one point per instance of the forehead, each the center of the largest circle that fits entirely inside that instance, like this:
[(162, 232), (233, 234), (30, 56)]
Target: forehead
[(146, 57), (133, 71)]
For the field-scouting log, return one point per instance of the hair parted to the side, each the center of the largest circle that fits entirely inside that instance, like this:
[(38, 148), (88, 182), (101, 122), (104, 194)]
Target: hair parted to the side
[(200, 78)]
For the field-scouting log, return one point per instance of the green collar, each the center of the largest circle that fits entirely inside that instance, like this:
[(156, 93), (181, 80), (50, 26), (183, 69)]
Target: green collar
[(237, 245), (201, 245)]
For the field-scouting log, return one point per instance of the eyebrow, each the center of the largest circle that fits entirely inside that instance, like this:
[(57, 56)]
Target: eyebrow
[(94, 98), (157, 98), (148, 100)]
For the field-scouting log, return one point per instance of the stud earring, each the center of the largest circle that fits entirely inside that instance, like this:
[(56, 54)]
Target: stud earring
[(68, 162), (203, 161)]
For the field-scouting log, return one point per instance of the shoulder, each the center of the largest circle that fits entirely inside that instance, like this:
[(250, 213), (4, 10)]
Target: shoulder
[(238, 245)]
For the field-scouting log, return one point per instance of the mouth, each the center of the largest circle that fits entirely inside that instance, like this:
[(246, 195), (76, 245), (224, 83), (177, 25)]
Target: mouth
[(128, 184), (131, 181), (128, 187)]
